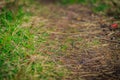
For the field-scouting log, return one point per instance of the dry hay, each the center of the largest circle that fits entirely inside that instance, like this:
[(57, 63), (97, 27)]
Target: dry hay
[(103, 64), (115, 52)]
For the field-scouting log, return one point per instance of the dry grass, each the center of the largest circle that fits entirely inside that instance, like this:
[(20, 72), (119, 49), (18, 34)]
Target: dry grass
[(67, 40)]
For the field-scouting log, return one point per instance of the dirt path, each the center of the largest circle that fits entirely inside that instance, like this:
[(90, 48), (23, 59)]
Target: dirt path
[(74, 33)]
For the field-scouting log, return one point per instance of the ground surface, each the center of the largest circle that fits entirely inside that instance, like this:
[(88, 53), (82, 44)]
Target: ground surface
[(72, 38)]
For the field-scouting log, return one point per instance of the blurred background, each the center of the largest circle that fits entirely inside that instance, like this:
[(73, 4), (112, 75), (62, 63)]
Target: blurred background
[(111, 7)]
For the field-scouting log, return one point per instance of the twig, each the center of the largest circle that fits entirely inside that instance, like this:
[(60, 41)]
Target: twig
[(114, 41)]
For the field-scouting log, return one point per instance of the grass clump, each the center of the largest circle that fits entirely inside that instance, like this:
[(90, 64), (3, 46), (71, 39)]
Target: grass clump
[(19, 59), (15, 43)]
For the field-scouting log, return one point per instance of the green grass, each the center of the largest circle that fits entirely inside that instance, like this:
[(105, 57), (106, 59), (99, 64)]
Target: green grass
[(96, 5), (16, 43), (72, 1), (104, 7), (19, 59)]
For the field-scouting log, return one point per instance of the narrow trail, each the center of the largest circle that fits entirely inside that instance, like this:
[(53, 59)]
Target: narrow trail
[(74, 33)]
